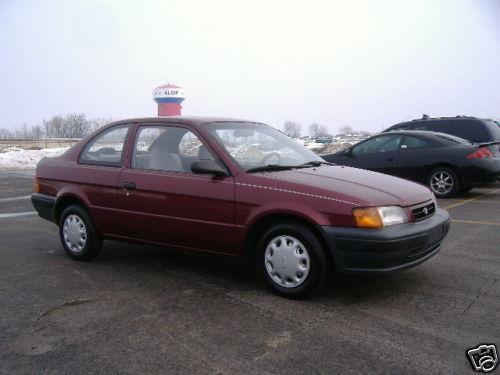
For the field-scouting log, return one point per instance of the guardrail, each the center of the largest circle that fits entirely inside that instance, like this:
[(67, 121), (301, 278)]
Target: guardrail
[(38, 143)]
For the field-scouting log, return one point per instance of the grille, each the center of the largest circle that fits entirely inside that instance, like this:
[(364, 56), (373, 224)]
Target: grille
[(423, 212)]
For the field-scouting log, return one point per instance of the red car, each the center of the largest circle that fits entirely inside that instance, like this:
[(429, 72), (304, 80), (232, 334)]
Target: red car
[(240, 189)]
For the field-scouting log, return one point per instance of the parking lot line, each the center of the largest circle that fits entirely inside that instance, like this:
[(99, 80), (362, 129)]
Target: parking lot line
[(474, 222), (5, 216), (13, 199), (470, 200)]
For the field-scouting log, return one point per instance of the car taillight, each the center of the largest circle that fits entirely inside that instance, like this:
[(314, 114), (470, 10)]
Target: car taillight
[(483, 152), (36, 186)]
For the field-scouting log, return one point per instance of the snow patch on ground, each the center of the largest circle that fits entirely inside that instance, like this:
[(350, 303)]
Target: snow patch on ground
[(17, 158)]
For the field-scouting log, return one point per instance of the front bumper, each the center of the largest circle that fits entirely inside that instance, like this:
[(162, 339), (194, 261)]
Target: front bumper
[(44, 204), (391, 249)]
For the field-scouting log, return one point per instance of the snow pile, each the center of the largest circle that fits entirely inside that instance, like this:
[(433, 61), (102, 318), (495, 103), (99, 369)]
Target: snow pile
[(16, 158)]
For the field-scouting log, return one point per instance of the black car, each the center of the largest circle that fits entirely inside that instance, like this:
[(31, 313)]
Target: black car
[(471, 128), (447, 164)]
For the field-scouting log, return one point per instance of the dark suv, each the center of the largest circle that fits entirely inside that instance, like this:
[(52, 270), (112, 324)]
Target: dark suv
[(471, 128)]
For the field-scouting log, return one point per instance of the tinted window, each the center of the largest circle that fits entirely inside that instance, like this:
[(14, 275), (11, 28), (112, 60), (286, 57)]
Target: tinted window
[(383, 143), (400, 127), (435, 126), (494, 128), (106, 148), (469, 129), (414, 142), (167, 148)]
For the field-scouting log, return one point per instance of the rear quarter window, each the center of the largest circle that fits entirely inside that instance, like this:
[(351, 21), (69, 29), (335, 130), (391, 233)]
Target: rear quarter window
[(473, 130), (415, 143), (434, 126), (106, 148), (494, 128)]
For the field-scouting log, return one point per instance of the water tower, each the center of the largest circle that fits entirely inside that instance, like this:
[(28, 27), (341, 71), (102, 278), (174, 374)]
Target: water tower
[(169, 98)]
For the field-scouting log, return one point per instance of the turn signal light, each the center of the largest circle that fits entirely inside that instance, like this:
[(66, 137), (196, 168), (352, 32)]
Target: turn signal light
[(482, 153), (36, 186), (367, 218)]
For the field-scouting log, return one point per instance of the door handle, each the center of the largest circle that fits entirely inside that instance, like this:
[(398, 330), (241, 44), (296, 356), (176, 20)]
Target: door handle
[(129, 185), (390, 159)]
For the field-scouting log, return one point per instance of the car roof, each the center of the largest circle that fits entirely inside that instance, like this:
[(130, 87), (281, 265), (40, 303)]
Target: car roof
[(191, 120), (425, 133), (445, 118)]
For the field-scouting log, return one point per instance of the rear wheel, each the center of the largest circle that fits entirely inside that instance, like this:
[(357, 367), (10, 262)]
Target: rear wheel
[(443, 182), (78, 235), (292, 260)]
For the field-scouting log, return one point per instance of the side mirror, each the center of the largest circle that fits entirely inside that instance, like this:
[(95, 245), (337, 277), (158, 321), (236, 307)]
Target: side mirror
[(208, 167), (349, 153)]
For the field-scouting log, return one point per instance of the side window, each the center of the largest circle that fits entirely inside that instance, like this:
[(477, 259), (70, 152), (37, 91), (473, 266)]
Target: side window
[(189, 145), (469, 129), (167, 148), (106, 148), (442, 126), (413, 142), (400, 127), (383, 143)]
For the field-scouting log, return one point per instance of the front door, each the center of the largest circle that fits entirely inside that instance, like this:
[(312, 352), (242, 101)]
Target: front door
[(98, 174), (377, 154), (162, 201)]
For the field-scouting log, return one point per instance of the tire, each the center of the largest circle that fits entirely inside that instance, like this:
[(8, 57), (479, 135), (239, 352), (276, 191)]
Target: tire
[(298, 247), (443, 182), (78, 235)]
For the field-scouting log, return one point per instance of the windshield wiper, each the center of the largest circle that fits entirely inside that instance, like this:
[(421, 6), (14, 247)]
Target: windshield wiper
[(270, 168), (314, 163), (276, 167)]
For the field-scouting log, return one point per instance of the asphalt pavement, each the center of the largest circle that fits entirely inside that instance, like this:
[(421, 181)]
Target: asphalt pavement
[(145, 310)]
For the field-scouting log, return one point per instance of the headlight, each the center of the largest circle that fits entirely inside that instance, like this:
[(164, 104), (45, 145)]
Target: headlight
[(378, 217)]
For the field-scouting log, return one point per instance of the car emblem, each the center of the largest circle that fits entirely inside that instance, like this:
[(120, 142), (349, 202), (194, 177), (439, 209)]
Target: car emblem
[(426, 210)]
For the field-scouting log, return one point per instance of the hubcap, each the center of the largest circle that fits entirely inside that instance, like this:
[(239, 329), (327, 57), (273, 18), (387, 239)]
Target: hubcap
[(287, 261), (75, 233), (442, 182)]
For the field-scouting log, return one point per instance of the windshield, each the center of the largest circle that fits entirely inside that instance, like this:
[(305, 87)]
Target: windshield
[(253, 145)]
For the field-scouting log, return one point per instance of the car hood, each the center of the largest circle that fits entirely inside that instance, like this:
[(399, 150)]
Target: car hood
[(360, 186)]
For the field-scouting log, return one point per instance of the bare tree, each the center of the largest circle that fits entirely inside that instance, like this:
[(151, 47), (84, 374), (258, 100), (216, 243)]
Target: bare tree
[(36, 132), (5, 133), (53, 127), (292, 129), (98, 122), (317, 130), (346, 129), (75, 125)]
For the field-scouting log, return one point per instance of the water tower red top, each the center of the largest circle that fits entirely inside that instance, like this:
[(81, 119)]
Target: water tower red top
[(168, 94), (169, 98)]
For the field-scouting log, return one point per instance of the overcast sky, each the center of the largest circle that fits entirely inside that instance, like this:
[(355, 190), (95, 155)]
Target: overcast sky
[(367, 64)]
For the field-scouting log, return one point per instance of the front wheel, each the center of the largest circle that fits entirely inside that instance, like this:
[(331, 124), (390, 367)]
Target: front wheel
[(78, 235), (292, 260), (443, 182)]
